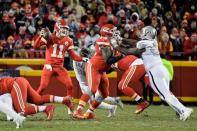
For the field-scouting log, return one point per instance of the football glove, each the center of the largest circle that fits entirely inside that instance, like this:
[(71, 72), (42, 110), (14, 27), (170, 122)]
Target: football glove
[(48, 67)]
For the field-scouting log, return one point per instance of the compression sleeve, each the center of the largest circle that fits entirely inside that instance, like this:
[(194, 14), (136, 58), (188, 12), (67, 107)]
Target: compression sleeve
[(74, 55)]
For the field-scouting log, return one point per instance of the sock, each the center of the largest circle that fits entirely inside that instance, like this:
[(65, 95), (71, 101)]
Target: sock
[(138, 99), (41, 108), (58, 99), (94, 105), (84, 99), (106, 106)]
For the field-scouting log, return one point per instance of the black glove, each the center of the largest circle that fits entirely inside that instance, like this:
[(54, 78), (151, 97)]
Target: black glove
[(84, 52)]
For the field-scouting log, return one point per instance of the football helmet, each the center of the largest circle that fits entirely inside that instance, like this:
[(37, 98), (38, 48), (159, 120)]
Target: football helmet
[(61, 28), (107, 30), (148, 32)]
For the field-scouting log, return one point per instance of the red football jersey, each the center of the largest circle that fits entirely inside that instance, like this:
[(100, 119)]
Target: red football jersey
[(97, 60), (126, 62), (6, 85), (55, 49)]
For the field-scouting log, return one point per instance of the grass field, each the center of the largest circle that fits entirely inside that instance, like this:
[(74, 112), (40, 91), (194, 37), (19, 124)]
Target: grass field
[(155, 118)]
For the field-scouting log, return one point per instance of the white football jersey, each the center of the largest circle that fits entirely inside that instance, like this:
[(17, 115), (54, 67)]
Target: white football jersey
[(151, 56)]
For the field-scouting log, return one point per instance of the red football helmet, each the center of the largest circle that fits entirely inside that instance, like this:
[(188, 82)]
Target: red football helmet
[(107, 30), (61, 28)]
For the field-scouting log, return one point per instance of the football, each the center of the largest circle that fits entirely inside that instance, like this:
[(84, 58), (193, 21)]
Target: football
[(45, 33)]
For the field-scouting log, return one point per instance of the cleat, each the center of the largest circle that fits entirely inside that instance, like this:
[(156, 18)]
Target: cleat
[(49, 112), (89, 115), (19, 121), (78, 114), (186, 114), (69, 104), (112, 112), (141, 106), (119, 103)]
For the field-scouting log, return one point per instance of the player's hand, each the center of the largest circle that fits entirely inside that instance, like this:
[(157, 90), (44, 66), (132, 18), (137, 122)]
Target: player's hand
[(114, 42), (85, 59), (116, 35), (84, 52), (43, 33), (48, 67)]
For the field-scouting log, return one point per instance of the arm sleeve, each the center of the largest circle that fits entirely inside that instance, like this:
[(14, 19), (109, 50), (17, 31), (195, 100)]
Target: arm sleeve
[(74, 55), (130, 42)]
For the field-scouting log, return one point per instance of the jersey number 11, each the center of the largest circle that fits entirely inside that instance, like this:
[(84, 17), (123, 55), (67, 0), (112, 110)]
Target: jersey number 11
[(56, 53)]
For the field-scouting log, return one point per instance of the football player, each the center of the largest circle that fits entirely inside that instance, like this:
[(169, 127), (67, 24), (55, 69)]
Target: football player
[(96, 69), (21, 92), (57, 44), (134, 71), (79, 68), (158, 74)]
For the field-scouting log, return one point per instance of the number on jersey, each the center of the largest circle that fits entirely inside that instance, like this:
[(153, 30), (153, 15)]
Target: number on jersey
[(55, 53)]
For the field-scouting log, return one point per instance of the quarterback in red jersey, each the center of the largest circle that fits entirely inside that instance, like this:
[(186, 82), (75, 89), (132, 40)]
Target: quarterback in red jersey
[(134, 71), (96, 72), (57, 44)]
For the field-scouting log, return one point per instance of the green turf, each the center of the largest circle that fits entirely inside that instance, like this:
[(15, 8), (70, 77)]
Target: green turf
[(155, 118)]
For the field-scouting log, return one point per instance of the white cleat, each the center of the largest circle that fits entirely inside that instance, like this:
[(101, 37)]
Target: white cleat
[(119, 103), (186, 114), (19, 121), (112, 112)]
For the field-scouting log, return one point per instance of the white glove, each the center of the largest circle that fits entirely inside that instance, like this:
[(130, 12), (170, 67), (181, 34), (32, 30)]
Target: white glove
[(85, 59), (116, 35), (114, 66), (114, 42), (48, 67)]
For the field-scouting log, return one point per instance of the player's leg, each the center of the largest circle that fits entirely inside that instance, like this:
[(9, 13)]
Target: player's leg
[(106, 106), (103, 91), (35, 98), (45, 79), (7, 99), (18, 119), (86, 93), (133, 74), (160, 86), (19, 97), (93, 78), (114, 101), (65, 79)]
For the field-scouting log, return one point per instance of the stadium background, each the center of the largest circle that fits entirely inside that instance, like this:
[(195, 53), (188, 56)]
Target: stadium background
[(183, 84), (175, 21)]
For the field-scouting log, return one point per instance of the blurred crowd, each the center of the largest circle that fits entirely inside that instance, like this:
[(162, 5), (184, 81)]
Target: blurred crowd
[(175, 21)]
